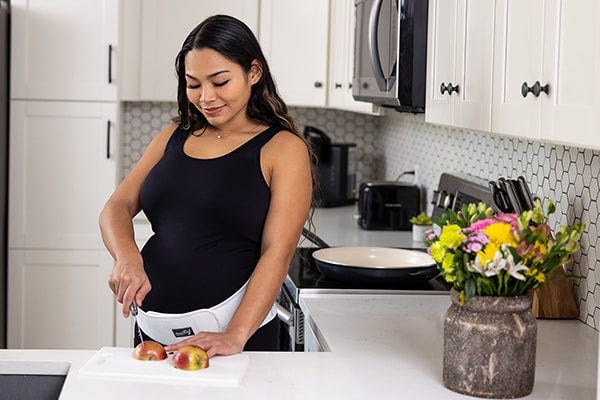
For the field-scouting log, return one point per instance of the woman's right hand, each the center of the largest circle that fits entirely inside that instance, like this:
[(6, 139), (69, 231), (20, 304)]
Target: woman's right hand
[(129, 283)]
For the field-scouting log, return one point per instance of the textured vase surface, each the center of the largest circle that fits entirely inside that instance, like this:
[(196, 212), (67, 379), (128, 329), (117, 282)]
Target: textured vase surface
[(489, 346)]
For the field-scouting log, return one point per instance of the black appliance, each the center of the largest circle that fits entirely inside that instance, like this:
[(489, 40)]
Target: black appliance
[(336, 169), (390, 53), (388, 205)]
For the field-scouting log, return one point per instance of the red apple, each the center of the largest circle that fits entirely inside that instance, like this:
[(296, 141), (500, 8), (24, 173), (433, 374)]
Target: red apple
[(190, 358), (149, 351)]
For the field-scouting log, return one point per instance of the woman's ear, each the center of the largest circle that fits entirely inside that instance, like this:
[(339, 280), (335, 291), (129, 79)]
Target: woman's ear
[(255, 72)]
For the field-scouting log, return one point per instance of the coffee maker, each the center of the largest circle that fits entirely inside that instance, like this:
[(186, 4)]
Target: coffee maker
[(335, 167)]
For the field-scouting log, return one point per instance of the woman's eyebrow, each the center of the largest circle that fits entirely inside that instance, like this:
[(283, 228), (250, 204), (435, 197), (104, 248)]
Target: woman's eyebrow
[(209, 76)]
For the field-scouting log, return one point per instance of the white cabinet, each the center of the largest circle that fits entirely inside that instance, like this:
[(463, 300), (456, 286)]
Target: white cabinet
[(63, 158), (153, 33), (460, 62), (294, 38), (64, 49), (341, 58), (59, 299), (553, 47)]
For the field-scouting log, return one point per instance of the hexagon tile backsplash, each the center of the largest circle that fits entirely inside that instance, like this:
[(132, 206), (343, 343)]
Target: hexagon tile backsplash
[(398, 142)]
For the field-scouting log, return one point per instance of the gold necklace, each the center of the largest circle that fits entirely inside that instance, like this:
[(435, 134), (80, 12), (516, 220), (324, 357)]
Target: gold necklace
[(219, 136)]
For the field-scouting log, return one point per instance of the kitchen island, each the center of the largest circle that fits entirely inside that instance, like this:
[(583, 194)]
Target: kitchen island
[(390, 348)]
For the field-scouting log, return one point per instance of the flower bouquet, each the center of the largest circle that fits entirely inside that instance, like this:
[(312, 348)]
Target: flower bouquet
[(487, 254), (493, 262)]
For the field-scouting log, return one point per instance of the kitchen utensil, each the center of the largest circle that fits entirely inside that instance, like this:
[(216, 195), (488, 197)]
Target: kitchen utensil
[(525, 192), (118, 363), (500, 197), (134, 312), (374, 265), (507, 186)]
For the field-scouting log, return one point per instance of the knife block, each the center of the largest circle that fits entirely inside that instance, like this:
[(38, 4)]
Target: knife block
[(554, 299)]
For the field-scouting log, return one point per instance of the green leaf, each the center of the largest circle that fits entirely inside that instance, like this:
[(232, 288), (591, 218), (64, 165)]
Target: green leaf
[(470, 288)]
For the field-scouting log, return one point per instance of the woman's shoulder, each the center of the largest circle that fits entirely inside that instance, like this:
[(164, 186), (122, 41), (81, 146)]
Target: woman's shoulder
[(285, 140), (285, 146)]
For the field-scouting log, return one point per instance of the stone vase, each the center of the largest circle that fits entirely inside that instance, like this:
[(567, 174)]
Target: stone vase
[(489, 346)]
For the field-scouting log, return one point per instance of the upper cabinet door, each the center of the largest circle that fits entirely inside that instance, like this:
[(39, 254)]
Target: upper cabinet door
[(571, 68), (294, 37), (64, 49), (164, 27), (474, 63), (441, 37), (460, 63), (517, 61)]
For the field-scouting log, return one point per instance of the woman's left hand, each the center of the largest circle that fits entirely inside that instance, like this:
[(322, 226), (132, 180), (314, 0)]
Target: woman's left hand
[(213, 343)]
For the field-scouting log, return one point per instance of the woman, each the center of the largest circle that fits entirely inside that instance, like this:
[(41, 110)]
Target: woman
[(227, 188)]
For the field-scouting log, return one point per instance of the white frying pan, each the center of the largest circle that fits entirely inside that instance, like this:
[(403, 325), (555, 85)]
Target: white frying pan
[(371, 264)]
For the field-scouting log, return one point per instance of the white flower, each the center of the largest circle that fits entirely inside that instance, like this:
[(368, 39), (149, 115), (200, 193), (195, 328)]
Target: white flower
[(503, 260)]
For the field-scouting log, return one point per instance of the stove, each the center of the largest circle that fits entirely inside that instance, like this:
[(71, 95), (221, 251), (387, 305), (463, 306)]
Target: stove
[(305, 278)]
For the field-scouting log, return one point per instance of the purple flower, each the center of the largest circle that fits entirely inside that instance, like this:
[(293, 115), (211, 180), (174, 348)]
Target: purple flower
[(475, 242)]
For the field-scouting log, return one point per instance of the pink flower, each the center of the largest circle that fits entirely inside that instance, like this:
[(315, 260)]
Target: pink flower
[(508, 218), (480, 225)]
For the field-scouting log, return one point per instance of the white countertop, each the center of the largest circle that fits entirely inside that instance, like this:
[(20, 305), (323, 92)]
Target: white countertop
[(390, 348)]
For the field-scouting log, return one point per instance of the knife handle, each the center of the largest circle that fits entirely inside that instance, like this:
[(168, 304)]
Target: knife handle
[(133, 308)]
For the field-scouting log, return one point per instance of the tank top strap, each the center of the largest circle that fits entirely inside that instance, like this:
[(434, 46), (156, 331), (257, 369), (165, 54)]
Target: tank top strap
[(177, 138), (261, 139)]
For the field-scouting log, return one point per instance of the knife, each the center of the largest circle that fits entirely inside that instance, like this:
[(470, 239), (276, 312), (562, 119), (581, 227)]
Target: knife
[(134, 311)]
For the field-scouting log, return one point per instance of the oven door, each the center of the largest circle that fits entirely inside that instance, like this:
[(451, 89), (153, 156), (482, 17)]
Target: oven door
[(291, 337)]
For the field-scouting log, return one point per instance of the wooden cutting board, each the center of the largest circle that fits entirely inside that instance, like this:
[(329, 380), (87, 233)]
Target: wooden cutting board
[(118, 363)]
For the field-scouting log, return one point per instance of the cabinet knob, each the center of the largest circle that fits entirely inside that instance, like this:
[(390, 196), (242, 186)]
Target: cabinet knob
[(449, 88), (318, 84), (338, 85), (443, 88), (536, 89)]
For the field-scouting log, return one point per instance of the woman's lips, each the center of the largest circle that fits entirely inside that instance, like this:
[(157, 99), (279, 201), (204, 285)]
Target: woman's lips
[(212, 110)]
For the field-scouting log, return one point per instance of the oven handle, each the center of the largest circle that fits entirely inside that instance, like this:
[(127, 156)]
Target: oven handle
[(284, 315)]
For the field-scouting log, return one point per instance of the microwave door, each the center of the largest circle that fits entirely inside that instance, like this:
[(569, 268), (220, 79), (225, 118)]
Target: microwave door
[(372, 43)]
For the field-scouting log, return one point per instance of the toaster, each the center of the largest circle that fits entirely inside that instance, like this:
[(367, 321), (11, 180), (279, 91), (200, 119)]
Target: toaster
[(388, 205)]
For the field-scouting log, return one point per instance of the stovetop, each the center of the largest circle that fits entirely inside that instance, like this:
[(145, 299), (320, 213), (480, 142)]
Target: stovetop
[(304, 276)]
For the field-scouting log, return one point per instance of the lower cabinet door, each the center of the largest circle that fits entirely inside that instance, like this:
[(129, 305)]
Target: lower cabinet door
[(59, 299)]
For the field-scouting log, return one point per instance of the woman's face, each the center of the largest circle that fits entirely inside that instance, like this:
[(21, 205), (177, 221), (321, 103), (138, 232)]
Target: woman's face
[(217, 86)]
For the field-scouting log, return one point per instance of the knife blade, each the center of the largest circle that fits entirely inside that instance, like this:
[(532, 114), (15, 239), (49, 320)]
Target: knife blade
[(134, 312)]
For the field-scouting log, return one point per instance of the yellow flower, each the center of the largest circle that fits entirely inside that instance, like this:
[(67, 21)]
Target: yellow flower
[(500, 233), (438, 252), (540, 277), (487, 254), (451, 236)]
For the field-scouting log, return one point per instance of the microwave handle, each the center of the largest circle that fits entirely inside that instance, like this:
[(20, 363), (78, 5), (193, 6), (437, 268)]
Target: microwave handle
[(374, 46)]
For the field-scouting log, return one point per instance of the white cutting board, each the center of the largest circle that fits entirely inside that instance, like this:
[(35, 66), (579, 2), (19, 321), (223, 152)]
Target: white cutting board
[(118, 363)]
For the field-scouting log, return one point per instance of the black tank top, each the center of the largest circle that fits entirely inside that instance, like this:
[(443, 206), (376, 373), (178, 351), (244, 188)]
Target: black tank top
[(207, 216)]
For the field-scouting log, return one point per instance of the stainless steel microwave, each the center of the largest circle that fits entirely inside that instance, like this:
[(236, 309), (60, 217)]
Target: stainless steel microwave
[(390, 53)]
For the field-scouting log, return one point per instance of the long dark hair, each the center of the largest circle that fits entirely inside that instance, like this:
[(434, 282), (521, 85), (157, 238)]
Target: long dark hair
[(234, 40)]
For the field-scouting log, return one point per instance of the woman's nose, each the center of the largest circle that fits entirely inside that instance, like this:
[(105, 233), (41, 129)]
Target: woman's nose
[(207, 94)]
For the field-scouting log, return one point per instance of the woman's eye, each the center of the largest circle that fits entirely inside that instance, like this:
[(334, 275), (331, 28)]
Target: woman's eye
[(193, 86), (221, 83)]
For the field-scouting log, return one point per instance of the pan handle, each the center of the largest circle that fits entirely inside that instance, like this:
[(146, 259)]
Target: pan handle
[(312, 237)]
